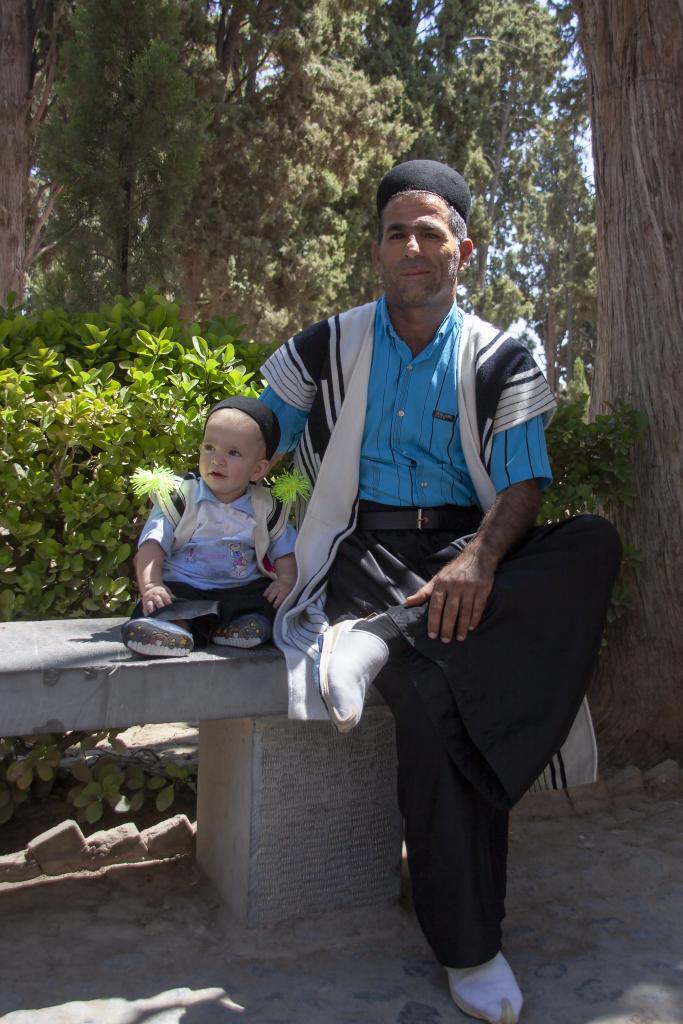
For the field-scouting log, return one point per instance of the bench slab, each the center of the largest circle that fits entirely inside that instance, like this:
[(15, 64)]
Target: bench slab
[(76, 674)]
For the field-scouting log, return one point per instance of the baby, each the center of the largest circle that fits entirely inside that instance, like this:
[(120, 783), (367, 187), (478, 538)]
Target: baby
[(215, 558)]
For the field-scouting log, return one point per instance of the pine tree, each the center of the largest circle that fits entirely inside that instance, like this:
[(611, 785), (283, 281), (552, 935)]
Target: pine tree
[(480, 85), (278, 231), (556, 266), (123, 143)]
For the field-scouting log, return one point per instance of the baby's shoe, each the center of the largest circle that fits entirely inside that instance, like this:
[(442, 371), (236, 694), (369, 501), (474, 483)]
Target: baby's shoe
[(250, 630), (157, 638)]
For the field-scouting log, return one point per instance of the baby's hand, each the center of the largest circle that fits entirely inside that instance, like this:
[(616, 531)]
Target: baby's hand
[(277, 591), (156, 595)]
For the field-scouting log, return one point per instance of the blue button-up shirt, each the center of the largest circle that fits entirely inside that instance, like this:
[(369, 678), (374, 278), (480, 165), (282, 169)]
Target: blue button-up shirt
[(411, 453)]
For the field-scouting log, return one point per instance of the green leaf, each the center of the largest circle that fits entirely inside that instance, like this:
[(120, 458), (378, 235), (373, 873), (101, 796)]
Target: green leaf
[(24, 781), (81, 771), (92, 789), (45, 772), (94, 812), (137, 800), (16, 770), (156, 782), (81, 799), (135, 778), (165, 798)]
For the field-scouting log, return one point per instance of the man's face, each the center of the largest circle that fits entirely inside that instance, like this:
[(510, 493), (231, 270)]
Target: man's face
[(418, 257)]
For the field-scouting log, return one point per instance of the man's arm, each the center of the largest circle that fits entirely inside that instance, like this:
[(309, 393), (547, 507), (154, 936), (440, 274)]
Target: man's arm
[(458, 593)]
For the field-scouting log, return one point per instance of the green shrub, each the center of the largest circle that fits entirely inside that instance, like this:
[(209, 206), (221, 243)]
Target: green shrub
[(84, 401), (31, 767), (592, 462)]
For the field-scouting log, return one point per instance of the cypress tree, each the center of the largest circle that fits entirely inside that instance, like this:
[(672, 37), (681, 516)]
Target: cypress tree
[(123, 142)]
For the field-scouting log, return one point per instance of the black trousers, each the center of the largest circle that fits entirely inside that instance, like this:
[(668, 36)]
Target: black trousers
[(206, 609), (476, 721)]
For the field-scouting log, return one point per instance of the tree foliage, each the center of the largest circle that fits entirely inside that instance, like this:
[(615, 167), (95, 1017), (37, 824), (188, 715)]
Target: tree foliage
[(298, 137), (123, 141), (228, 152)]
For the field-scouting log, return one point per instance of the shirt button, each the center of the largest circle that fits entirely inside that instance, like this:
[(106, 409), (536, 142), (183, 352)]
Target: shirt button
[(423, 483), (401, 412), (409, 368)]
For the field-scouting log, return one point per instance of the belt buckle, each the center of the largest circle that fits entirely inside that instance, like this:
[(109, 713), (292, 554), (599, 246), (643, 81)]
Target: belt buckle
[(421, 518)]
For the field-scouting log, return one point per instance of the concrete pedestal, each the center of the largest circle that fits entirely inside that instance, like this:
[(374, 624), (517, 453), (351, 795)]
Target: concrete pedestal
[(294, 819)]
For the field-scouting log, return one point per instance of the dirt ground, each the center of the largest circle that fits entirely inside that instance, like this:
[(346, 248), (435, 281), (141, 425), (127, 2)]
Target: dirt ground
[(594, 932)]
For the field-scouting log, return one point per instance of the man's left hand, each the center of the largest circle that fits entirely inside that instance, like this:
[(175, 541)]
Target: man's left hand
[(457, 595)]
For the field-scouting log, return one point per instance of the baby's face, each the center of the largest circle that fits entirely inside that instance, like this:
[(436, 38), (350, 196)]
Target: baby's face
[(232, 454)]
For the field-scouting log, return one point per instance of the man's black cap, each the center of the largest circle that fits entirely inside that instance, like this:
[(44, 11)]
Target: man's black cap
[(260, 412), (426, 176)]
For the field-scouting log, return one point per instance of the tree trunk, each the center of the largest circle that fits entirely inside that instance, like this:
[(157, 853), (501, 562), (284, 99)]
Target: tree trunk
[(16, 51), (502, 144), (550, 345), (634, 56), (569, 306)]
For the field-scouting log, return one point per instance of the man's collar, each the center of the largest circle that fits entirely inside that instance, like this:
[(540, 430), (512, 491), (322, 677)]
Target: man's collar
[(446, 325)]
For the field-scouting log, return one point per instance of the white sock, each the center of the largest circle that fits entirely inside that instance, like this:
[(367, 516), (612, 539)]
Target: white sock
[(488, 991), (358, 657), (349, 661)]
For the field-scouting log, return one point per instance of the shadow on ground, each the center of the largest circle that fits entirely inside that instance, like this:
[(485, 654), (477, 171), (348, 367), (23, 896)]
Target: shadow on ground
[(594, 931)]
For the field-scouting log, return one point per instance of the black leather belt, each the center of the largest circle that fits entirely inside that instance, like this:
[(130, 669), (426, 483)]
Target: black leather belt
[(456, 518)]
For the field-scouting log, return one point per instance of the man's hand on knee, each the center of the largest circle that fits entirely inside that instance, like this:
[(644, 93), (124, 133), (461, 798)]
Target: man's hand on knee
[(457, 595)]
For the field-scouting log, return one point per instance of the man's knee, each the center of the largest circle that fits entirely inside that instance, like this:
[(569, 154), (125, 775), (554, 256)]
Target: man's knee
[(597, 538)]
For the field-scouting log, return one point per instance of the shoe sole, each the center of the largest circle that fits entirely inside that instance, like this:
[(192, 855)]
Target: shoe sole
[(157, 643), (247, 633), (326, 645), (223, 641), (507, 1013)]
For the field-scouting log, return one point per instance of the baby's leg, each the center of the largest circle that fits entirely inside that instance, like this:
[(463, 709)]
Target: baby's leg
[(246, 616)]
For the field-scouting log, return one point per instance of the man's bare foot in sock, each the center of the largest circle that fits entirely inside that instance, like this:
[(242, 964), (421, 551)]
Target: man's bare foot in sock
[(348, 662), (487, 992)]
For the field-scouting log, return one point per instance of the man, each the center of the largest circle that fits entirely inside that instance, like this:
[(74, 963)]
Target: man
[(422, 430)]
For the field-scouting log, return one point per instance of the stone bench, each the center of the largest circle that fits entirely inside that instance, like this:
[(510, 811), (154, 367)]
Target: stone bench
[(292, 819)]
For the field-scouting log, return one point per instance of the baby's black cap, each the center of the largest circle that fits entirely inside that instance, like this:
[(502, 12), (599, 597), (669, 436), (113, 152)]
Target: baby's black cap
[(260, 413)]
